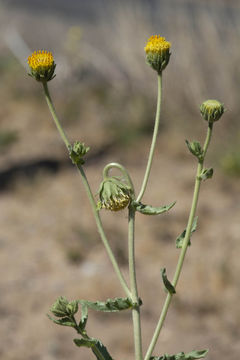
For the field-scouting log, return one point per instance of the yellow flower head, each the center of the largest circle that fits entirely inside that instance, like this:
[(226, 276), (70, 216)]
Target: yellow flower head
[(157, 52), (42, 65), (157, 44)]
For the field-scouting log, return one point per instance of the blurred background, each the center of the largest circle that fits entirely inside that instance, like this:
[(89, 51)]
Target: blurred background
[(105, 95)]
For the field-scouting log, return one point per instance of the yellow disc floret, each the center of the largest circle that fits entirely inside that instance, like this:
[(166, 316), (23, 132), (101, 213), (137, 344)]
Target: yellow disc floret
[(157, 52), (40, 58), (42, 65), (157, 44)]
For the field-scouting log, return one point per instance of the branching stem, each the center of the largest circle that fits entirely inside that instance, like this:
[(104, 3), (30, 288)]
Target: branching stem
[(184, 246), (89, 194)]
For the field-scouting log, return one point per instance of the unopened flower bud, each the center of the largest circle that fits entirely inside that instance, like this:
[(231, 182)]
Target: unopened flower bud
[(114, 194), (59, 308), (212, 110), (77, 152), (42, 65), (157, 52), (72, 307), (62, 307)]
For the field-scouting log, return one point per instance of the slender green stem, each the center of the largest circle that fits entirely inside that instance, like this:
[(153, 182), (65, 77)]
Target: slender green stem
[(124, 171), (102, 233), (54, 115), (184, 246), (90, 195), (154, 139), (133, 285)]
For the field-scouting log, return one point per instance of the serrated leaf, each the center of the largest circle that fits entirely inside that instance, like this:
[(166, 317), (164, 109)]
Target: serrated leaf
[(66, 321), (195, 354), (150, 210), (180, 238), (99, 350), (111, 305), (206, 174), (84, 316), (168, 286)]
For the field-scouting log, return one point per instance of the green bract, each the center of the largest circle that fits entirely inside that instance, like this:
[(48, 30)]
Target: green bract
[(212, 110), (114, 194), (77, 152)]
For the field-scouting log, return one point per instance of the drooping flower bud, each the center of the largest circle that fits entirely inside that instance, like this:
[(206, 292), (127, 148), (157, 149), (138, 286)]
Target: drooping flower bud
[(114, 194), (212, 110), (42, 65), (157, 52)]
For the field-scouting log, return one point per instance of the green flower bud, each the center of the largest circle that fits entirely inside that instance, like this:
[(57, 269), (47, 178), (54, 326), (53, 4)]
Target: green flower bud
[(72, 307), (59, 308), (77, 152), (62, 307), (212, 110), (157, 52), (114, 194), (42, 65)]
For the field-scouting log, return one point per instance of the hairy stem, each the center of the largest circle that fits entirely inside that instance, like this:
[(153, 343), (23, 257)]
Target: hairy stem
[(154, 139), (133, 286), (184, 246), (89, 194)]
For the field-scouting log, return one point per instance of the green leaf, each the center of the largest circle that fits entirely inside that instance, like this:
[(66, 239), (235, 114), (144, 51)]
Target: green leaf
[(84, 316), (66, 321), (111, 305), (180, 238), (99, 350), (206, 174), (89, 343), (196, 354), (150, 210), (195, 148), (169, 287), (181, 356)]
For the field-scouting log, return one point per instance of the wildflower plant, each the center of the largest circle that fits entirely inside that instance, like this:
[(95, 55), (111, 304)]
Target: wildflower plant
[(118, 193)]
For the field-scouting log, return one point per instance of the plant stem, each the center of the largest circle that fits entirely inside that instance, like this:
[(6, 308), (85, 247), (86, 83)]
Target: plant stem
[(133, 286), (102, 233), (89, 194), (154, 139), (184, 246), (54, 115), (95, 349)]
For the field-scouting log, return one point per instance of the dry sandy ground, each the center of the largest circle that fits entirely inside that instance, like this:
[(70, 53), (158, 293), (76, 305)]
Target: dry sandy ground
[(49, 247)]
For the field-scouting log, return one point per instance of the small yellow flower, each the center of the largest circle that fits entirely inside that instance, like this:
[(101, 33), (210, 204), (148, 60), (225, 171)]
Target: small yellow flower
[(157, 44), (157, 52), (42, 65)]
